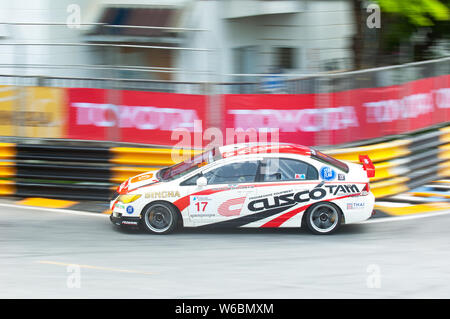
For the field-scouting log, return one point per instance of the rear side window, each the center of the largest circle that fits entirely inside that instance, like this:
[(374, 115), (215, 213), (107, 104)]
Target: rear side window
[(286, 169)]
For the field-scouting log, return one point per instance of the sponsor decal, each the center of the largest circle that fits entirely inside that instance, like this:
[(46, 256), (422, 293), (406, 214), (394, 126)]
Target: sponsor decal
[(275, 148), (141, 117), (231, 207), (41, 112), (410, 106), (327, 173), (120, 206), (163, 194), (138, 117), (306, 120), (305, 196), (253, 150), (443, 98), (355, 205), (123, 187), (199, 198), (141, 178), (342, 189), (199, 205), (202, 164), (130, 210), (341, 177), (127, 222), (300, 176)]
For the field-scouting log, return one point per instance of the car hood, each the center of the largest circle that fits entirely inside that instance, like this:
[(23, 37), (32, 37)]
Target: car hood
[(144, 179)]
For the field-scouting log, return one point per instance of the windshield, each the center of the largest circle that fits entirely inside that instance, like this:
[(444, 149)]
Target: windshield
[(329, 160), (190, 165)]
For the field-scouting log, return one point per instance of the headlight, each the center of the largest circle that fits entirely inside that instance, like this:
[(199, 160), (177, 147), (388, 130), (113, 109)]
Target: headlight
[(128, 198)]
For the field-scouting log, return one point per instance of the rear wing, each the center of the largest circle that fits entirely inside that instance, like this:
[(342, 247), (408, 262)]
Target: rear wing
[(367, 165)]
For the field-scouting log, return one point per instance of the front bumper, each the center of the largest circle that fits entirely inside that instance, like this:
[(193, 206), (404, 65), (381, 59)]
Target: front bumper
[(119, 220)]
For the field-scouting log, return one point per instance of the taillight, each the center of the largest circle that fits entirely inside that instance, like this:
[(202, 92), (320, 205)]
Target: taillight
[(365, 191)]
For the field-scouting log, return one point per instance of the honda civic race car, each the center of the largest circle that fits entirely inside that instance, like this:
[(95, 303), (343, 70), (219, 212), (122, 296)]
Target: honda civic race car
[(248, 185)]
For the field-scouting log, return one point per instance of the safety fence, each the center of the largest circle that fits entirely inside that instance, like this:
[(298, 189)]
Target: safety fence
[(93, 173), (334, 114)]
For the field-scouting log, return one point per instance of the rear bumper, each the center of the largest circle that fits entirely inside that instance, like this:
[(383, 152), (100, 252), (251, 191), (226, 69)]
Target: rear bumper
[(119, 220), (358, 215)]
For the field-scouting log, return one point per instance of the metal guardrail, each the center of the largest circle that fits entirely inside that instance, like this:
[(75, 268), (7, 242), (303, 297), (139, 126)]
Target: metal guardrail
[(231, 83), (288, 83), (93, 173)]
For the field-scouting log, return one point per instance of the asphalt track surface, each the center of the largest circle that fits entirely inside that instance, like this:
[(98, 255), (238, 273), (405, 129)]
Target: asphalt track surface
[(405, 258)]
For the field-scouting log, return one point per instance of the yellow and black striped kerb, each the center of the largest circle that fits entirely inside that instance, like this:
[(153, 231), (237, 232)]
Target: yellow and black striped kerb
[(75, 173)]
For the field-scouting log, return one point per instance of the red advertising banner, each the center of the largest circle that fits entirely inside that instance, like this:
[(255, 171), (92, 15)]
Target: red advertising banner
[(307, 119), (132, 116), (341, 117)]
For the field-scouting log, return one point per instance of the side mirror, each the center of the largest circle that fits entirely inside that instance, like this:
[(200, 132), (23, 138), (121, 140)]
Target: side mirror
[(202, 181)]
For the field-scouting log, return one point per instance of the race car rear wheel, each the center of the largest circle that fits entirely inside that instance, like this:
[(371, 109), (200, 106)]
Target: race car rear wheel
[(159, 218), (323, 218)]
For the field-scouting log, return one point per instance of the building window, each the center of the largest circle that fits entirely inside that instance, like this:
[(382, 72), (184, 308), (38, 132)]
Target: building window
[(286, 58), (246, 59)]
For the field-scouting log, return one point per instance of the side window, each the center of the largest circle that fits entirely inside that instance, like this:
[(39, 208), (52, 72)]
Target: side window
[(234, 173), (285, 169), (191, 181)]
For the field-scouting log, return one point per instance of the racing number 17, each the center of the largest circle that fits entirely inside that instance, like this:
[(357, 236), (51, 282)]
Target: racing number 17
[(198, 204)]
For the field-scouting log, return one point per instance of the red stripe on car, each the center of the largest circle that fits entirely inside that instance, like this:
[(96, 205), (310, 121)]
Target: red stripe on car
[(278, 221)]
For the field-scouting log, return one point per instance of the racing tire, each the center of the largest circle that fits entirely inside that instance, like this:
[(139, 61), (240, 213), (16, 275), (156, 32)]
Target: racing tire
[(323, 218), (159, 218)]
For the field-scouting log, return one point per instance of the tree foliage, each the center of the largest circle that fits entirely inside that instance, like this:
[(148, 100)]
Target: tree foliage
[(420, 13), (429, 20)]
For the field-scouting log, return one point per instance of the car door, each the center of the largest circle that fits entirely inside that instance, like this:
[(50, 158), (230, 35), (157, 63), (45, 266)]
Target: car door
[(222, 201), (283, 185)]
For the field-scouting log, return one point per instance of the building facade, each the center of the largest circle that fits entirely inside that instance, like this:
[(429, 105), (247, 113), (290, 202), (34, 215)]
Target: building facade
[(175, 40)]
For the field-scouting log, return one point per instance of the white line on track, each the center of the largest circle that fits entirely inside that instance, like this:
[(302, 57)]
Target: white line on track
[(95, 267), (81, 213), (402, 218), (392, 204), (55, 210)]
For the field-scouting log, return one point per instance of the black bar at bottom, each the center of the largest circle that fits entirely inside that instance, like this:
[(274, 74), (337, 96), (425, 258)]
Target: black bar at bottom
[(233, 308)]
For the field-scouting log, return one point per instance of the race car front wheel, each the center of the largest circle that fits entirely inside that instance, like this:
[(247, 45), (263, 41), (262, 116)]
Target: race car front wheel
[(323, 218), (159, 218)]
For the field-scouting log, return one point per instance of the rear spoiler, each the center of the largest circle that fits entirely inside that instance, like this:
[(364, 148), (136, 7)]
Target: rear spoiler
[(367, 165)]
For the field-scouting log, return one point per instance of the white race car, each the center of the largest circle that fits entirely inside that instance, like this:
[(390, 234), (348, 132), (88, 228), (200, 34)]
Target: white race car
[(248, 185)]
